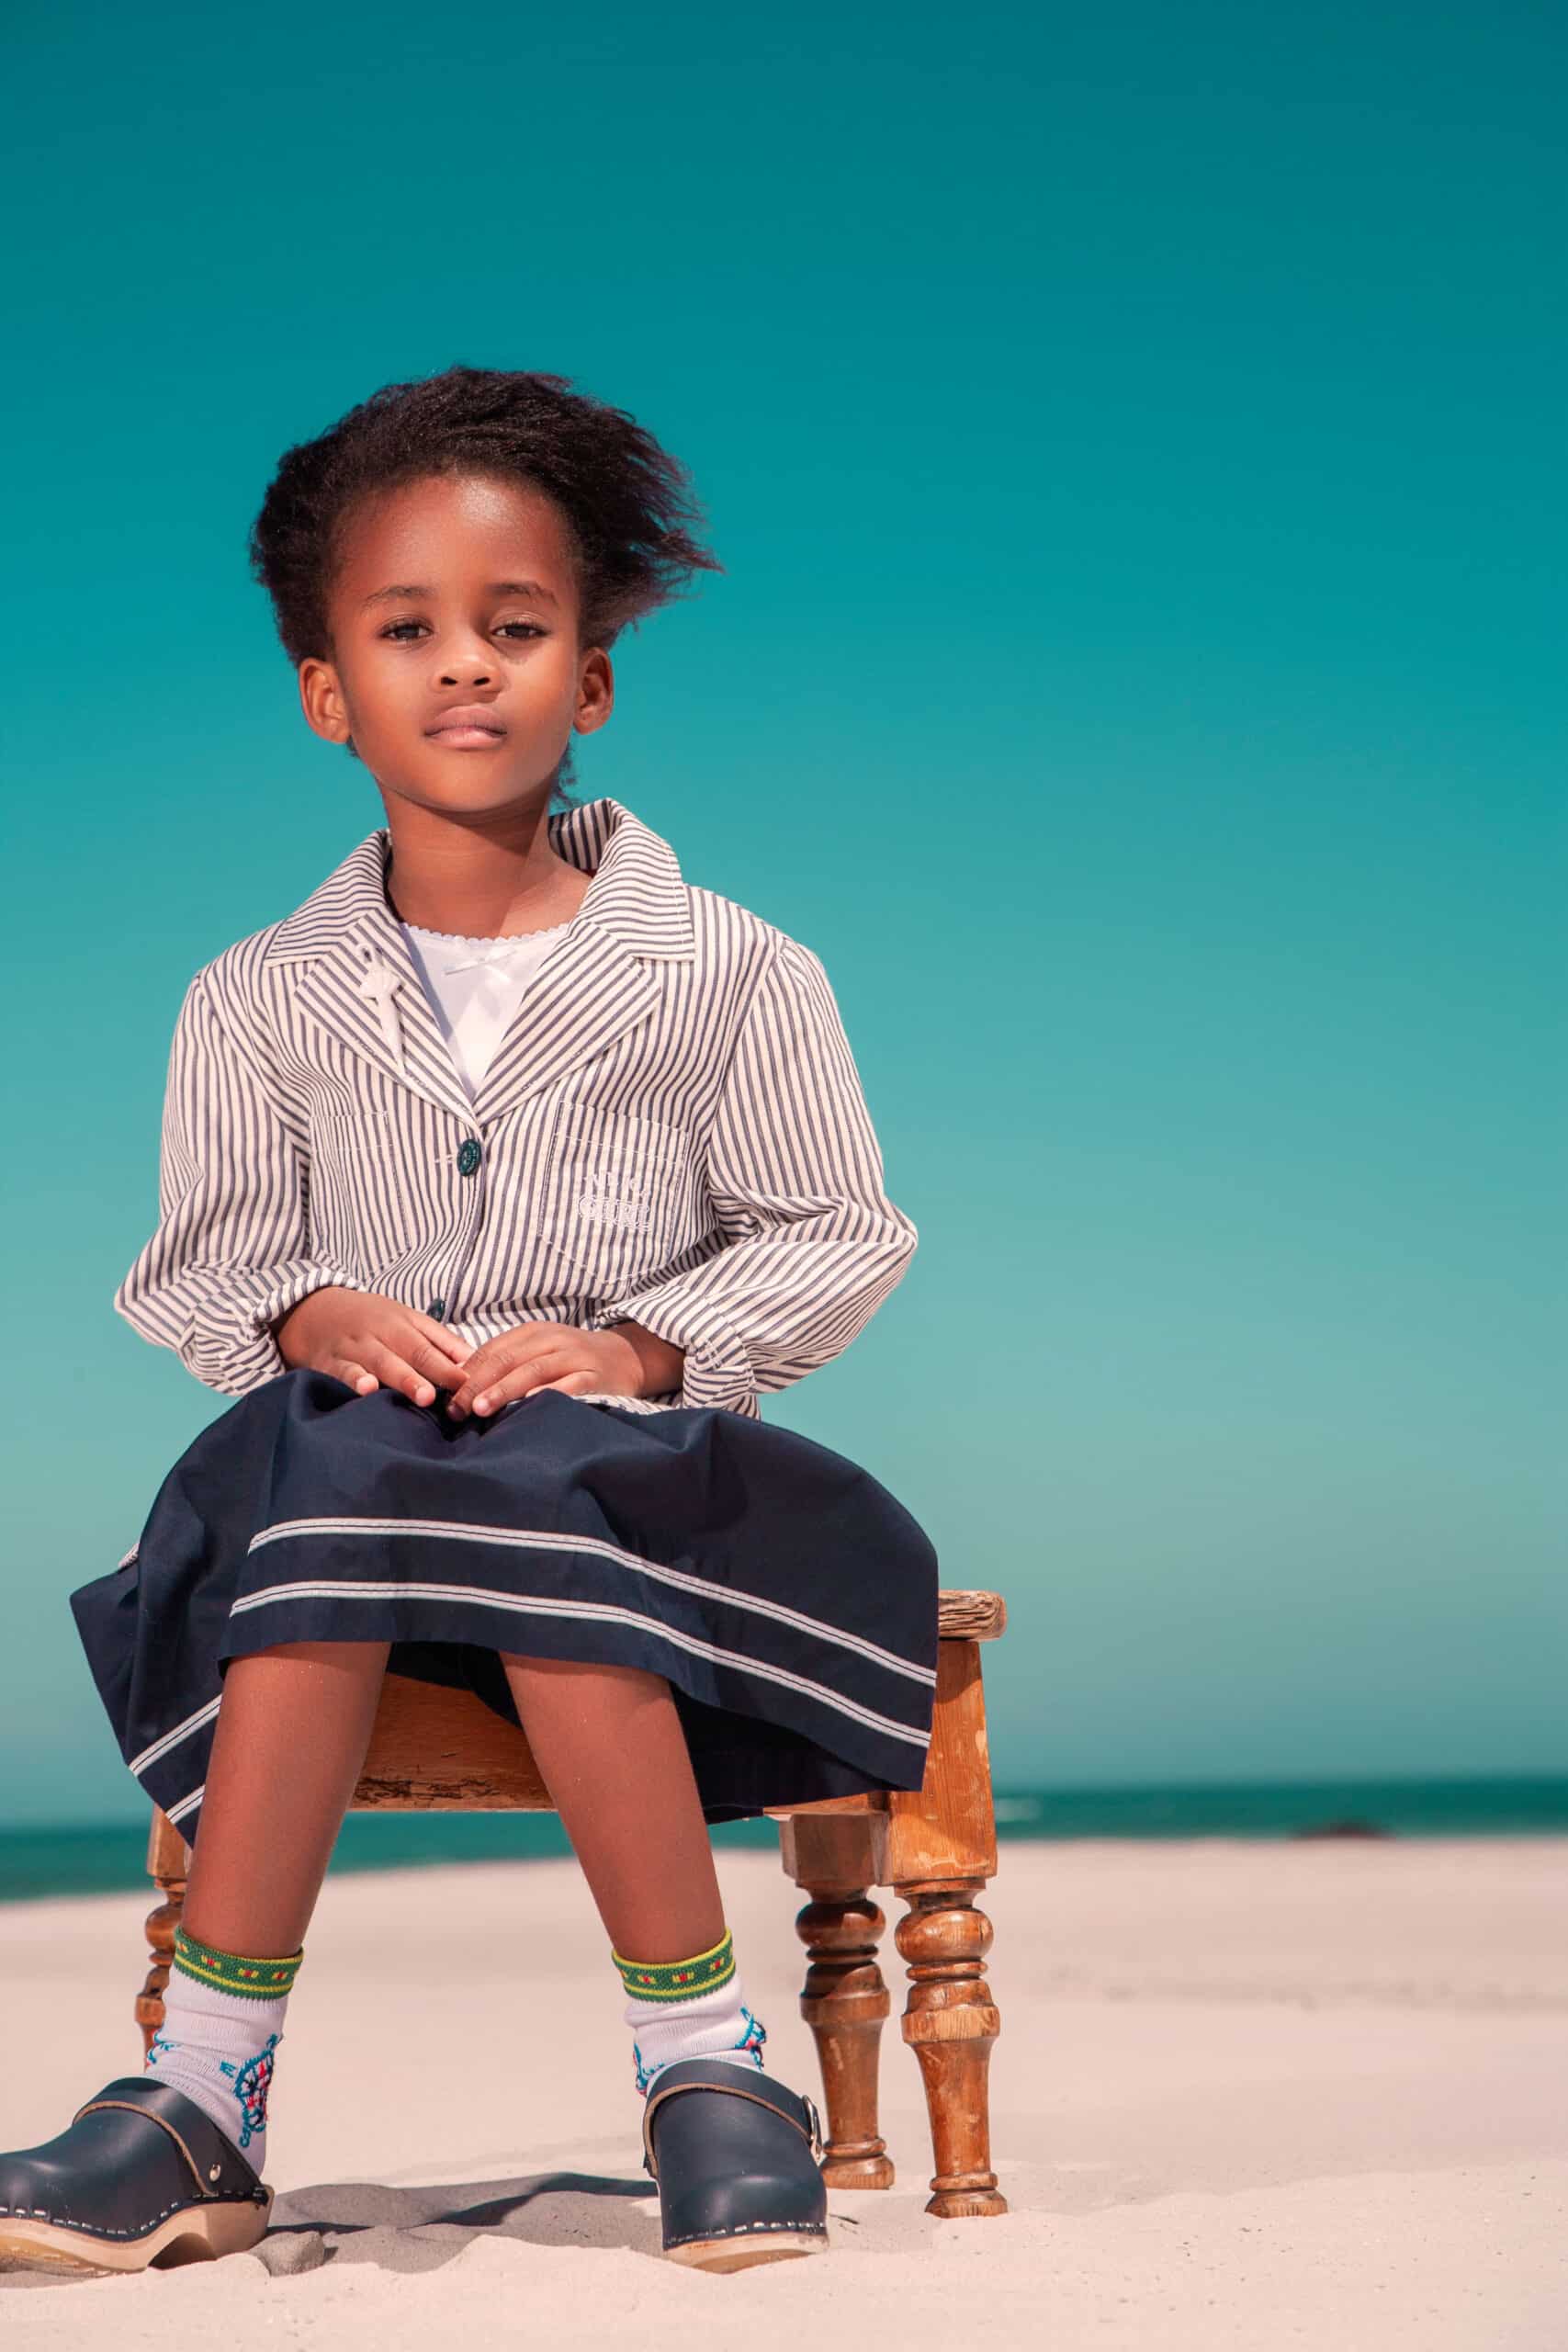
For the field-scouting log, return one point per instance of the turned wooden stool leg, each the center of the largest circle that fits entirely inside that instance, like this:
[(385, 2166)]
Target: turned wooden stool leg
[(950, 2023), (846, 2003), (168, 1864), (941, 1850)]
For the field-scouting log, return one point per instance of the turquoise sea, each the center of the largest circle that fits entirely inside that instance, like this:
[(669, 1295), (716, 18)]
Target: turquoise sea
[(103, 1857)]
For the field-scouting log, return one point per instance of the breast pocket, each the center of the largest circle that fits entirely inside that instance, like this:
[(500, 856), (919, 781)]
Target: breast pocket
[(619, 1198), (365, 1188)]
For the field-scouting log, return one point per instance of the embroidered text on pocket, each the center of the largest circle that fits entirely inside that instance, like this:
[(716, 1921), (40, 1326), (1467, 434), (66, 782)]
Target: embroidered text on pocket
[(618, 1198)]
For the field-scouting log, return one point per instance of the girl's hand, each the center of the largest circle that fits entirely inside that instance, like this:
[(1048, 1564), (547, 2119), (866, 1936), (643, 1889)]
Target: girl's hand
[(371, 1342), (546, 1355)]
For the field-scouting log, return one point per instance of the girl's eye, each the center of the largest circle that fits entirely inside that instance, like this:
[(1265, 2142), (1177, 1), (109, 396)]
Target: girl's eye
[(532, 626)]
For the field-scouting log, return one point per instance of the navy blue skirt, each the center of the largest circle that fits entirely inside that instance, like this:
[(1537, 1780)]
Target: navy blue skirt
[(788, 1599)]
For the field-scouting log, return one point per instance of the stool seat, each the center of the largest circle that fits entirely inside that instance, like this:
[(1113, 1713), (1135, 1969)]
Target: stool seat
[(445, 1751)]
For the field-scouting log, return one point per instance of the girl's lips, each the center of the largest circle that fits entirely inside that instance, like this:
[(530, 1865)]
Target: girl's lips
[(467, 738)]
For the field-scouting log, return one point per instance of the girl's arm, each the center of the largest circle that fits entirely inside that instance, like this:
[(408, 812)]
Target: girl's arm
[(231, 1252), (813, 1243)]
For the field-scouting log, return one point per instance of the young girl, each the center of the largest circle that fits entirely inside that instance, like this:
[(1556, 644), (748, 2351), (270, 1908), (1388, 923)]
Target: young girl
[(498, 1182)]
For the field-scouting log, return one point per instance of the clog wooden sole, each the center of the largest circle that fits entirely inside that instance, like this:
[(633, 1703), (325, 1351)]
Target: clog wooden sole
[(199, 2235), (740, 2252)]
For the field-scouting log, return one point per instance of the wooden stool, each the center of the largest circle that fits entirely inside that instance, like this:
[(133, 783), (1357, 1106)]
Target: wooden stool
[(445, 1751)]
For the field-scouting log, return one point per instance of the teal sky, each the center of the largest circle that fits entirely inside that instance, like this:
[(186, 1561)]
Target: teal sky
[(1134, 437)]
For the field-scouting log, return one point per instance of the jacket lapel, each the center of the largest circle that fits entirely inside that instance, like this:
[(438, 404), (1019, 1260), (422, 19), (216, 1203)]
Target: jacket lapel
[(589, 988), (364, 989), (358, 980)]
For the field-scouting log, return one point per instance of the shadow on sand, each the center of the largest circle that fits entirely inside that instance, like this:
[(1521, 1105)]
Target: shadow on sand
[(418, 2229)]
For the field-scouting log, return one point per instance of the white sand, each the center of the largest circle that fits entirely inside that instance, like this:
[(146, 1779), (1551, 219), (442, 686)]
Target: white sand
[(1246, 2096)]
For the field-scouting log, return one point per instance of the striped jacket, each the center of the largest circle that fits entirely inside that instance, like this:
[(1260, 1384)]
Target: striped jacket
[(673, 1130)]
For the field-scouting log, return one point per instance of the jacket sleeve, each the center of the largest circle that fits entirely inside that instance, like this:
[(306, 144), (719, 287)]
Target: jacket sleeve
[(231, 1251), (813, 1244)]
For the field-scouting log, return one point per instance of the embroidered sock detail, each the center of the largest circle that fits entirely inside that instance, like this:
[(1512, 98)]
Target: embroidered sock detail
[(745, 2050), (260, 1980), (219, 2049), (679, 1979)]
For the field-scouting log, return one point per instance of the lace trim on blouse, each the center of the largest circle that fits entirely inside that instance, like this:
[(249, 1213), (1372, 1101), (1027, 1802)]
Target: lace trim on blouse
[(503, 939)]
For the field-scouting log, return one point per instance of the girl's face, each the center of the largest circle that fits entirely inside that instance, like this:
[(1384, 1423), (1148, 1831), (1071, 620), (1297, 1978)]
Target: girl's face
[(457, 592)]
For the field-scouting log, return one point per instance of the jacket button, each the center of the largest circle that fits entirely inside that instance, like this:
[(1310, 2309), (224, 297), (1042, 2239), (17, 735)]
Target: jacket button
[(468, 1158), (438, 1307)]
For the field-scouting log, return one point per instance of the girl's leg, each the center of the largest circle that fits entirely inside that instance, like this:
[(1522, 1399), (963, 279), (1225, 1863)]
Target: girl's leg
[(609, 1745), (292, 1731), (737, 2179)]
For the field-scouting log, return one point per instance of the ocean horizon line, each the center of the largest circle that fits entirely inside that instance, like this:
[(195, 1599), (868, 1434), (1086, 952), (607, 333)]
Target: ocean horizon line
[(81, 1858)]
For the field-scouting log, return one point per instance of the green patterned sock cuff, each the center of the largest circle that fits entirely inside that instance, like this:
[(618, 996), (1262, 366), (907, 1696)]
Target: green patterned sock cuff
[(262, 1980), (677, 1980)]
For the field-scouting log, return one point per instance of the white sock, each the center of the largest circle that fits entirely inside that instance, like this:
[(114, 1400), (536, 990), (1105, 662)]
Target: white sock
[(713, 2023), (217, 2048)]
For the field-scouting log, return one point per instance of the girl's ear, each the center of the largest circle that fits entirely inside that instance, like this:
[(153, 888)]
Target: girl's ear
[(320, 699), (595, 691)]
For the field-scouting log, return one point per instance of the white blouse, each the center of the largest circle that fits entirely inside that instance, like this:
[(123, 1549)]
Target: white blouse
[(475, 986)]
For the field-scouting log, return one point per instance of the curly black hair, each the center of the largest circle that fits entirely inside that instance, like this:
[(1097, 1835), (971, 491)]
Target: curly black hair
[(629, 508)]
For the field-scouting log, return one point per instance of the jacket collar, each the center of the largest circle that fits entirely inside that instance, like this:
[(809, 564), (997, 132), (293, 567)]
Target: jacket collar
[(636, 892), (355, 973)]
